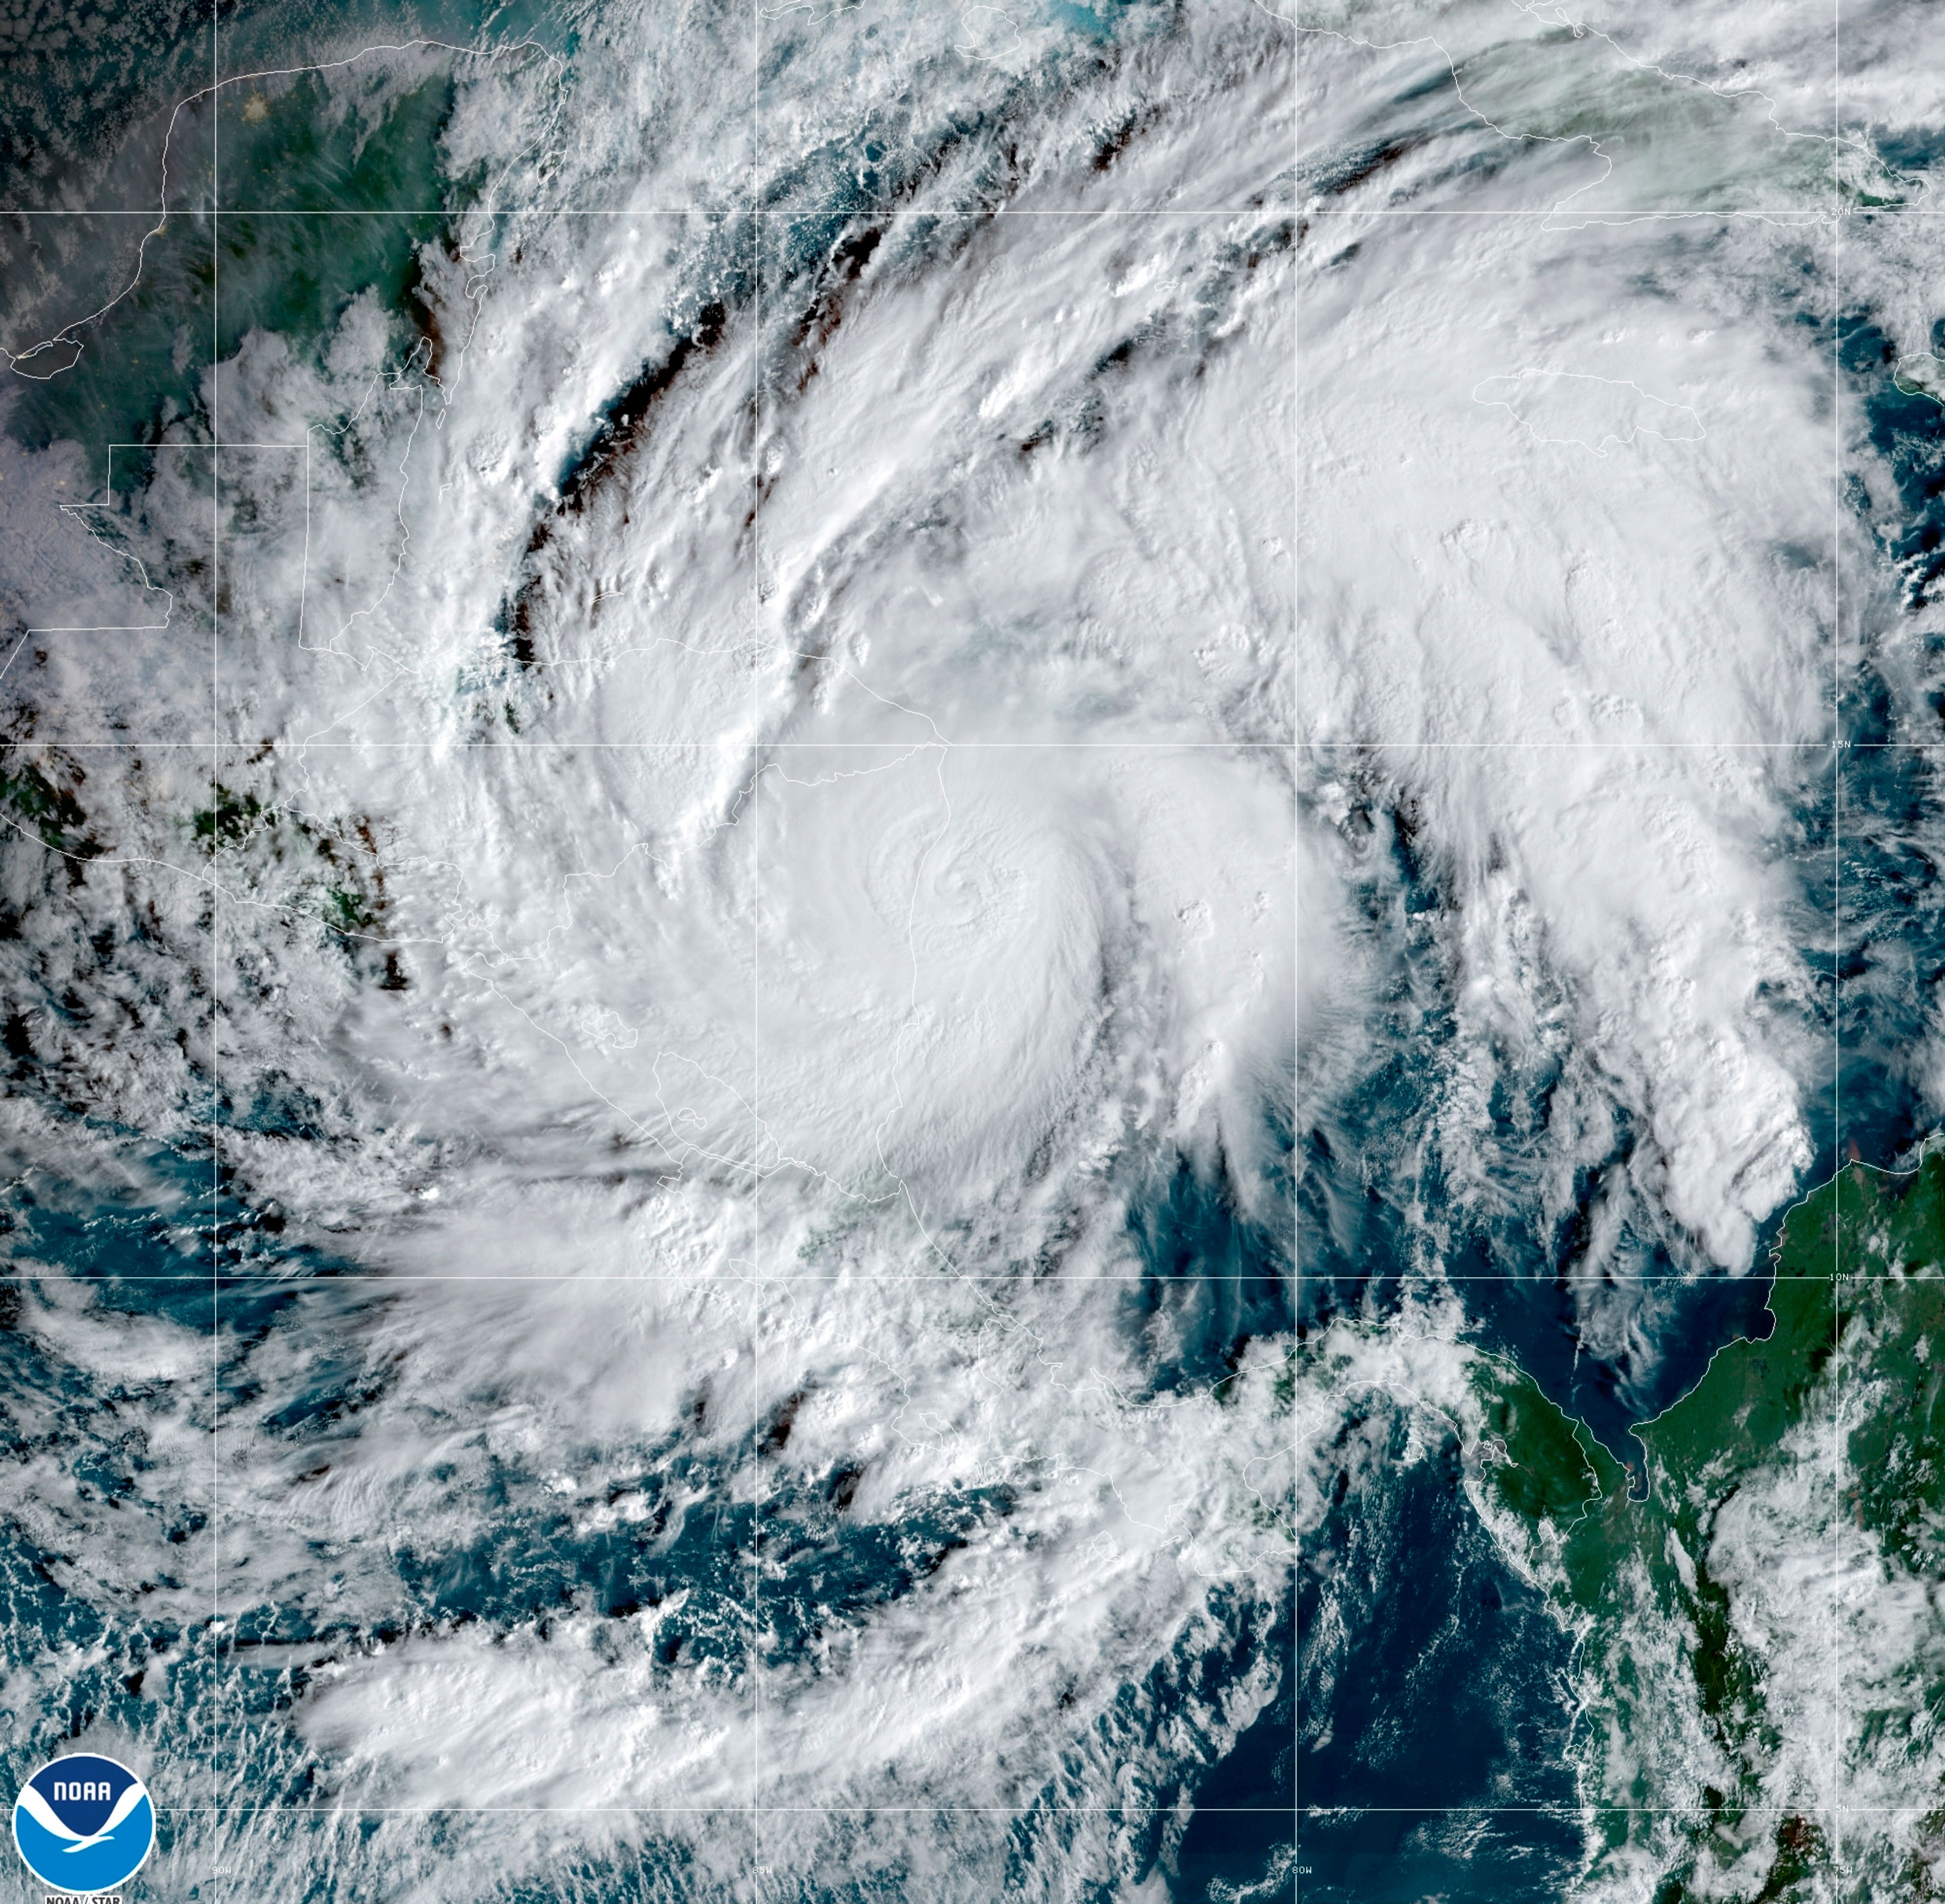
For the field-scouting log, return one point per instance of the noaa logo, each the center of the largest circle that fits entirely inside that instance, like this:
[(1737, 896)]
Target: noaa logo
[(84, 1823)]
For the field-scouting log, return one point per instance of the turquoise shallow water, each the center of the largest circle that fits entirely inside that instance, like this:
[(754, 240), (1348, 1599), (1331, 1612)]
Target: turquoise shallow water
[(1387, 1717), (317, 205)]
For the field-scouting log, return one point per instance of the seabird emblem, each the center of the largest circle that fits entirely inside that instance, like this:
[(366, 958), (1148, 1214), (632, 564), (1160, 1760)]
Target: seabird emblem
[(43, 1815), (83, 1823)]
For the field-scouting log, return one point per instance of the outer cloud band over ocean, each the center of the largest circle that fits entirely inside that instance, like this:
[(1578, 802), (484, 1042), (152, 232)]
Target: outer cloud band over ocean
[(839, 840)]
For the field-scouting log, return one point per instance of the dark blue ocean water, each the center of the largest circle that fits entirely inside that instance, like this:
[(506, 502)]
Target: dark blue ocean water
[(211, 1697), (527, 1560), (1418, 1719), (1441, 1705)]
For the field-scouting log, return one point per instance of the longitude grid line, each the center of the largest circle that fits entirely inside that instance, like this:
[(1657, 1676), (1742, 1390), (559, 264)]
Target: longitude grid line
[(754, 1658), (1833, 1802), (1837, 1722), (215, 939), (1295, 978)]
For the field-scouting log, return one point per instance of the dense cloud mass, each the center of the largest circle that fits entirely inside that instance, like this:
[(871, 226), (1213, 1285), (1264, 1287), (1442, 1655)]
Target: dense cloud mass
[(780, 787)]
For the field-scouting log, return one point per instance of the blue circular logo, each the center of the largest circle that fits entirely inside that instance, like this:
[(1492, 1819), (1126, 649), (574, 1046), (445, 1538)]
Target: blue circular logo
[(84, 1823)]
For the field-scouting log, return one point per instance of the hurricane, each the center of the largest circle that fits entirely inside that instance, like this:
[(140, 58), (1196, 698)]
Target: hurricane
[(976, 953)]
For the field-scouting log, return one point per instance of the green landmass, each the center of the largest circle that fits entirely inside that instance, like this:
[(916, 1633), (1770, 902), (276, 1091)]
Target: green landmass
[(273, 260), (1846, 1394), (328, 869), (41, 807)]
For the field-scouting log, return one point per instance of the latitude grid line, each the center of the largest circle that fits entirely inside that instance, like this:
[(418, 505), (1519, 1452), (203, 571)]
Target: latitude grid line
[(331, 1279), (239, 743), (1002, 1811), (1322, 1813), (343, 1279), (1326, 1812), (1794, 217), (814, 215)]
